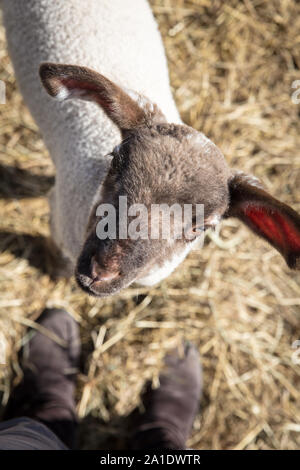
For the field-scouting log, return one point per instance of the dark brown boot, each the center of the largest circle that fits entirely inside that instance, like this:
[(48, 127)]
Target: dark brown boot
[(46, 392), (170, 409)]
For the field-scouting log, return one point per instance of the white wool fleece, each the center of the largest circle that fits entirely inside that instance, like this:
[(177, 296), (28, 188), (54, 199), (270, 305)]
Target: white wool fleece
[(119, 39)]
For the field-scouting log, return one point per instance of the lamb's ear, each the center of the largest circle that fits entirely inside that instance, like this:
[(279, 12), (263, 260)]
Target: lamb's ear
[(266, 216), (72, 81)]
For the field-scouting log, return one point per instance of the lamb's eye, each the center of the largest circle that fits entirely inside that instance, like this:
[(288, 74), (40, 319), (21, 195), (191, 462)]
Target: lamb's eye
[(197, 230), (194, 232)]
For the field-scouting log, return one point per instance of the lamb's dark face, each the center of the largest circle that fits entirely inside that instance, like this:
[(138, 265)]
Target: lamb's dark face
[(161, 163), (156, 165)]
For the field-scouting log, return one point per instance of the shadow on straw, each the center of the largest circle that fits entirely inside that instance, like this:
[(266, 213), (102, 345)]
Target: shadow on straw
[(16, 183)]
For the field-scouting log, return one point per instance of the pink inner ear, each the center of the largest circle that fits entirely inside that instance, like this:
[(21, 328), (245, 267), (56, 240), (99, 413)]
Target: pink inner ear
[(73, 84), (86, 90), (274, 226)]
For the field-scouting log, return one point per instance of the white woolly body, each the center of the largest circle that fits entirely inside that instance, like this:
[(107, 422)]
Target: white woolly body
[(118, 38)]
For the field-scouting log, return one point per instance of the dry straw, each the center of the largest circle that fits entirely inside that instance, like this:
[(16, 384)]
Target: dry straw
[(232, 65)]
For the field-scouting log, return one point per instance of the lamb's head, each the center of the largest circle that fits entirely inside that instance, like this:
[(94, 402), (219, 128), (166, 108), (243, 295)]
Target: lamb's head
[(136, 225), (148, 211)]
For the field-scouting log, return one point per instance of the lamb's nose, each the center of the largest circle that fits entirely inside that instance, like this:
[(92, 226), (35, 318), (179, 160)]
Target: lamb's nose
[(99, 274)]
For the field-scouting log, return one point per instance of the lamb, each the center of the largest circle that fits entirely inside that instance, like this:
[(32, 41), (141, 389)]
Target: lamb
[(114, 131)]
